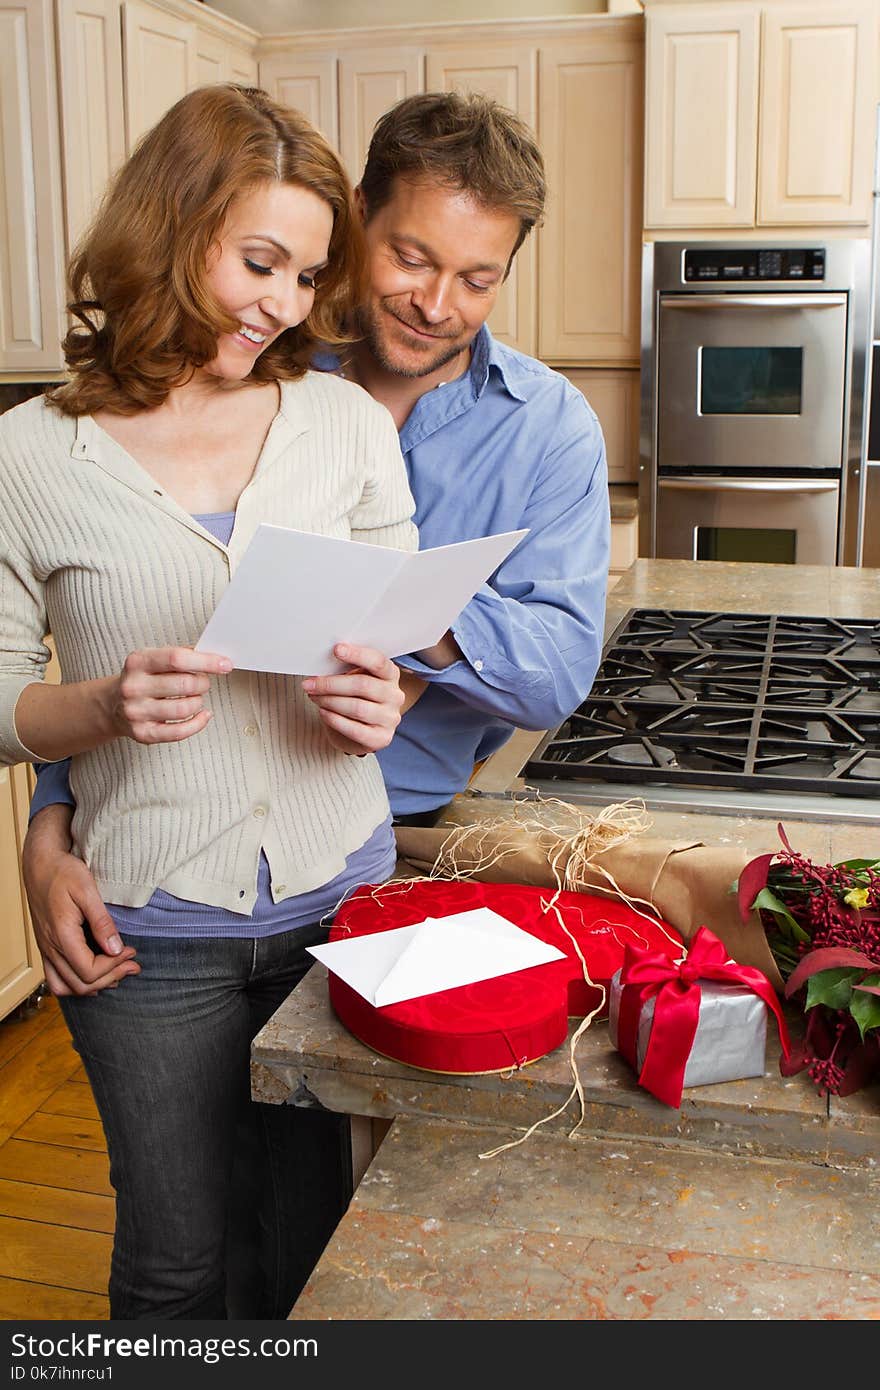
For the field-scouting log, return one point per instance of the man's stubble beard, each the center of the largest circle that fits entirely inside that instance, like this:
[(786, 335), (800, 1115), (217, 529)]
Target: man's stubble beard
[(371, 332)]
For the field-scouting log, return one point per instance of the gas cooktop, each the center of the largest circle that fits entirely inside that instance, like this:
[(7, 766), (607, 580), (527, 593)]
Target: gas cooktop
[(737, 711)]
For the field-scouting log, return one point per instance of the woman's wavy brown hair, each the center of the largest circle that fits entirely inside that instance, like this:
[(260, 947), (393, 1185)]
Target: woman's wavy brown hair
[(145, 314)]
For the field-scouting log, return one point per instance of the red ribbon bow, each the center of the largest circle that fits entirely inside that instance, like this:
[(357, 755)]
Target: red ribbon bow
[(677, 1010)]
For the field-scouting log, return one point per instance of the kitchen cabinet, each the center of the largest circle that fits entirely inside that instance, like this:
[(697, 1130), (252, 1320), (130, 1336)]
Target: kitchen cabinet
[(160, 64), (624, 547), (370, 81), (308, 82), (31, 231), (590, 120), (92, 106), (573, 294), (759, 114), (614, 395), (169, 50), (21, 969)]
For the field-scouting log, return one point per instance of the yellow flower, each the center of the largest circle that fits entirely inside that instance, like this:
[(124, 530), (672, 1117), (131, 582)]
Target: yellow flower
[(856, 897)]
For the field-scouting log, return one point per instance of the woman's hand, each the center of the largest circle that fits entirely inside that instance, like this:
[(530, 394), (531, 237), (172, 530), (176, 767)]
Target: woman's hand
[(158, 698), (360, 708)]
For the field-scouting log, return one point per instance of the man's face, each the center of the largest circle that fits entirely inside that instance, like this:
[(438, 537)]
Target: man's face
[(437, 260)]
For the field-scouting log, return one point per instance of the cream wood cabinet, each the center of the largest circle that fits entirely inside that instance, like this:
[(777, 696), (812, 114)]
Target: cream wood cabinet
[(307, 81), (590, 121), (21, 969), (171, 48), (759, 114), (614, 395), (92, 106), (31, 229), (160, 64), (573, 294), (370, 81)]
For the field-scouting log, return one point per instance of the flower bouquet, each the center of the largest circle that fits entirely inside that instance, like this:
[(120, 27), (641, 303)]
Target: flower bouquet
[(823, 927)]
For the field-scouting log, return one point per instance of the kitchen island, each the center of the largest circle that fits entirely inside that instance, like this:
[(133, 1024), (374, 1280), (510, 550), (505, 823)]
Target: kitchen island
[(756, 1199)]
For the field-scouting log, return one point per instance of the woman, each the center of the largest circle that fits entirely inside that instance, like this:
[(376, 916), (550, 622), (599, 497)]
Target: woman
[(220, 810)]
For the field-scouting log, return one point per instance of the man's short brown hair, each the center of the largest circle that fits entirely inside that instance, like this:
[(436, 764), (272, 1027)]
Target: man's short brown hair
[(469, 143)]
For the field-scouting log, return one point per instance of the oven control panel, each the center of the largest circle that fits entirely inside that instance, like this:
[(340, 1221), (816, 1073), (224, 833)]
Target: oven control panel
[(752, 263)]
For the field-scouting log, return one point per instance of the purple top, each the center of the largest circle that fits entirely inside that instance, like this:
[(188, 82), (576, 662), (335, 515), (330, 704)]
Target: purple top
[(166, 915)]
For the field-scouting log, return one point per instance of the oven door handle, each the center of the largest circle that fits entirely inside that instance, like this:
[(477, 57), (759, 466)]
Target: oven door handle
[(734, 300), (749, 484)]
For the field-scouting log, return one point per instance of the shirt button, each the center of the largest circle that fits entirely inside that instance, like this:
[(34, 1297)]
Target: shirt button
[(250, 730), (280, 888), (259, 812), (478, 665)]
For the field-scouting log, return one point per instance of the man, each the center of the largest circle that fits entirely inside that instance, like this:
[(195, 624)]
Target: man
[(493, 441)]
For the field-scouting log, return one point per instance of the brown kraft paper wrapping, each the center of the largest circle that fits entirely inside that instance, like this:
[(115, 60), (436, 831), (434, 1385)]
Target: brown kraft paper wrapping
[(686, 882)]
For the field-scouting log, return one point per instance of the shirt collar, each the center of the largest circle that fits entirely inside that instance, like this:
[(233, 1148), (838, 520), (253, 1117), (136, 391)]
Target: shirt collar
[(485, 354)]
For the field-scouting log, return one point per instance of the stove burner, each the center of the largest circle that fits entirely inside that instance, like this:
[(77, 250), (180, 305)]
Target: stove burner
[(666, 690), (728, 700), (642, 755)]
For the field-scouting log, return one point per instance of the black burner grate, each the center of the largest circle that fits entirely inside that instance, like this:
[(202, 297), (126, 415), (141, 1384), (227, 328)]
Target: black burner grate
[(728, 700)]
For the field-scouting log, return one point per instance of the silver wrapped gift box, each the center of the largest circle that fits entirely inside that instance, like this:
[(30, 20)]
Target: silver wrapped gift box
[(731, 1038)]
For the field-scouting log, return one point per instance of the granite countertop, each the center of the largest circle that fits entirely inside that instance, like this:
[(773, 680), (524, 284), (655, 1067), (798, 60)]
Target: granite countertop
[(650, 1211)]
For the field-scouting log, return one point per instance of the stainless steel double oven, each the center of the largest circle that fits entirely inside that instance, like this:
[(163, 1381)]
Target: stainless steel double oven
[(752, 399)]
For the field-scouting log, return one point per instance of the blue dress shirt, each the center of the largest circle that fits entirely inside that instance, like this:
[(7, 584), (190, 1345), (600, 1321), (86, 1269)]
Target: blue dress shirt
[(509, 444)]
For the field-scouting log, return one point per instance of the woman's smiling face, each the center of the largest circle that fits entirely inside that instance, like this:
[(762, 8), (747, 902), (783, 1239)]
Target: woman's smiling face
[(263, 269)]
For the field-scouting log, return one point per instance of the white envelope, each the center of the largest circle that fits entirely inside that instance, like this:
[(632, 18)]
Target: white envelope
[(295, 595), (387, 967)]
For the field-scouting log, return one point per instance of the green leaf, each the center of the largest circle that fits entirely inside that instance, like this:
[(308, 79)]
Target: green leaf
[(768, 900), (833, 987), (865, 1008), (857, 865)]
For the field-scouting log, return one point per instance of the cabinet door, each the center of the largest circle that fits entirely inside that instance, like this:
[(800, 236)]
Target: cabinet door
[(371, 81), (309, 84), (509, 75), (701, 115), (818, 89), (589, 258), (211, 58), (614, 395), (160, 65), (21, 969), (31, 233), (92, 111), (242, 67)]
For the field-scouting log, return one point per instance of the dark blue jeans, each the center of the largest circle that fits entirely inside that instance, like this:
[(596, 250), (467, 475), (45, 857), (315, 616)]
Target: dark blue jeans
[(223, 1205)]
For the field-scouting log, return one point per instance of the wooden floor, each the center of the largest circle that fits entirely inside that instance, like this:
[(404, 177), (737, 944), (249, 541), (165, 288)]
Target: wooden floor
[(56, 1202)]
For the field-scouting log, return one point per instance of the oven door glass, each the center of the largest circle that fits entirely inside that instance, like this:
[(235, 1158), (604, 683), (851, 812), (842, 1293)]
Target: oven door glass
[(765, 520), (750, 381)]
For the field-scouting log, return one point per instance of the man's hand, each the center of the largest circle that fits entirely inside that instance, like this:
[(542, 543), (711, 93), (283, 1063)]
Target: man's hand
[(63, 898)]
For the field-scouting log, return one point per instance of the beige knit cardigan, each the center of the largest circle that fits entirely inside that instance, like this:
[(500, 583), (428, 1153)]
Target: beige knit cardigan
[(93, 550)]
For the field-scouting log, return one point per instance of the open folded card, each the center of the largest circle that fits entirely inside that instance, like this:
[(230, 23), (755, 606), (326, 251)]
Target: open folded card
[(440, 953), (295, 595)]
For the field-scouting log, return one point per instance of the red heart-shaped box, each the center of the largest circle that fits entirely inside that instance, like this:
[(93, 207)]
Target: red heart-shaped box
[(505, 1022)]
